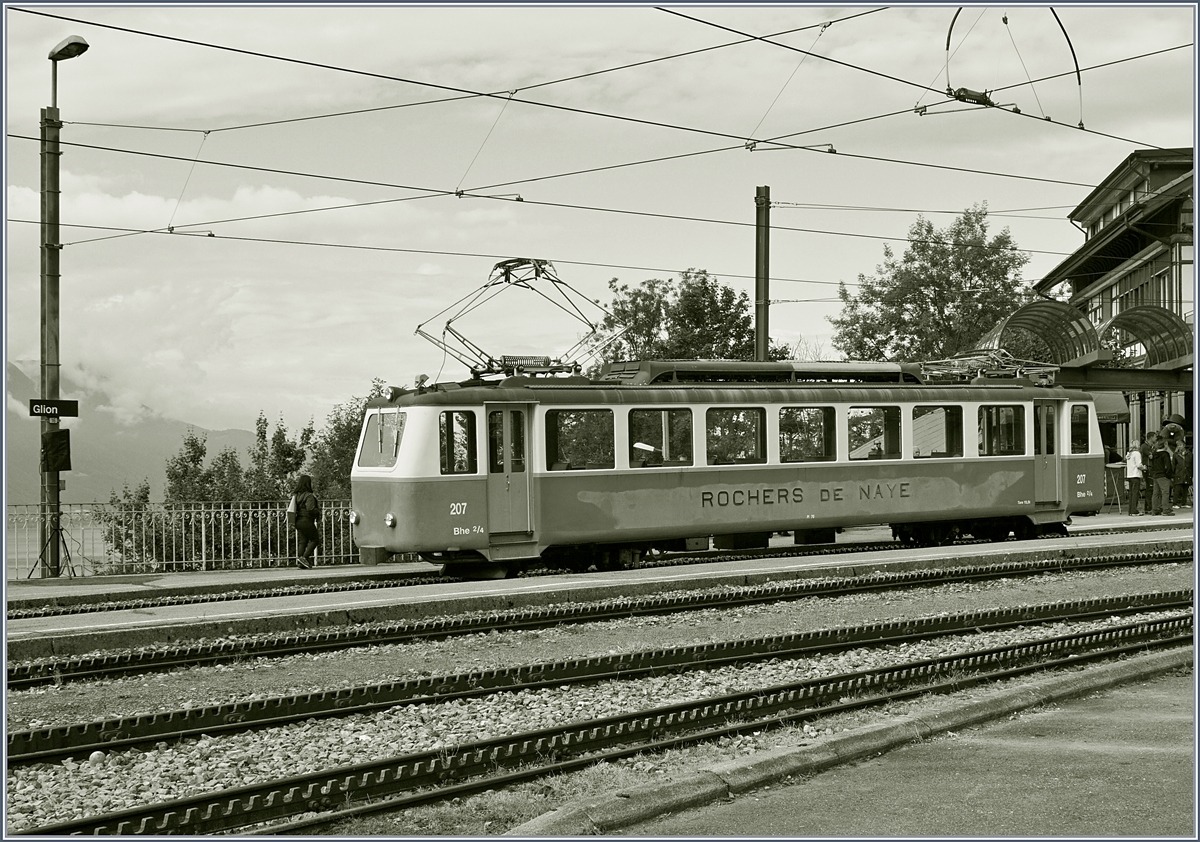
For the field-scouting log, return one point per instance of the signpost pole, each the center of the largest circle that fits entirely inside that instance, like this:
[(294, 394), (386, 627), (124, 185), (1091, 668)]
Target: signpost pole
[(50, 529), (49, 534)]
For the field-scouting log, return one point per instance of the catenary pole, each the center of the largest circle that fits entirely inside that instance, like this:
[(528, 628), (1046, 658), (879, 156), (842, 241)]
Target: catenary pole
[(762, 252)]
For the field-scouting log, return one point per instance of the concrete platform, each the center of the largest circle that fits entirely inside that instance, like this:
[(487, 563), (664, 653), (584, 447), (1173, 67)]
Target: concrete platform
[(79, 633), (1112, 755), (67, 590)]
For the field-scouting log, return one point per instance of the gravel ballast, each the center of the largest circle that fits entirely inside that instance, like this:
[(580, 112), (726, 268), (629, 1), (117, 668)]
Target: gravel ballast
[(48, 793)]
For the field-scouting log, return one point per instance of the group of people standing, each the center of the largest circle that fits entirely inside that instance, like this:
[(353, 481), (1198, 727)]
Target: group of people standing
[(1165, 460)]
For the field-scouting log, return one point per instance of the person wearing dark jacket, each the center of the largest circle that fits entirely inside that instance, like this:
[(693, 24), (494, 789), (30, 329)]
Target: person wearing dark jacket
[(308, 514), (1147, 450), (1162, 471), (1182, 479)]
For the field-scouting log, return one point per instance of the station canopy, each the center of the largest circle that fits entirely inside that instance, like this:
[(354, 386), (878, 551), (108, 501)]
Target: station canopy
[(1070, 336), (1074, 342), (1166, 337)]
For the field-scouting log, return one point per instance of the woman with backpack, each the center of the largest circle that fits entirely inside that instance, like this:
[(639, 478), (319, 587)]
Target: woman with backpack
[(308, 513)]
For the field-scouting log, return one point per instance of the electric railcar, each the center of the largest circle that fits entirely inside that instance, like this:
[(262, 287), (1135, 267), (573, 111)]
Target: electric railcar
[(487, 477)]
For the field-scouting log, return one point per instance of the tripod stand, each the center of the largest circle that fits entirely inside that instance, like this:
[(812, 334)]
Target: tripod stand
[(54, 534)]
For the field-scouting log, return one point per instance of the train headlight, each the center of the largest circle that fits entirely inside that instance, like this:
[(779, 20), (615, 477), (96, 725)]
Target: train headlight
[(390, 520), (353, 517)]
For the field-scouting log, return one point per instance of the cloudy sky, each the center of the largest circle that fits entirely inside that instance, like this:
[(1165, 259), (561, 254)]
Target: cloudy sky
[(323, 147)]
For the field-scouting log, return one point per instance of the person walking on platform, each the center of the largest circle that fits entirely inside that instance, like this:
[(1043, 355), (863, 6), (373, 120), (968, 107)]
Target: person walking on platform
[(308, 515), (1182, 478), (1162, 470), (1133, 478), (1147, 450)]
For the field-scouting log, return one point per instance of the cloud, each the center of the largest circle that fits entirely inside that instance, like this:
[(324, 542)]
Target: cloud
[(210, 330)]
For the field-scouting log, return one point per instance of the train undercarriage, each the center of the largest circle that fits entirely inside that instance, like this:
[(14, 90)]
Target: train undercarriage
[(471, 564)]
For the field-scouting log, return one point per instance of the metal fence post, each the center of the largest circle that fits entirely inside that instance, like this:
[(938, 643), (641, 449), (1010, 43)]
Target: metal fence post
[(203, 540)]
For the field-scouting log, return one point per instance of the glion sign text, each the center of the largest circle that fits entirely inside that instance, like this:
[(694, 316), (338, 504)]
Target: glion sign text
[(53, 409)]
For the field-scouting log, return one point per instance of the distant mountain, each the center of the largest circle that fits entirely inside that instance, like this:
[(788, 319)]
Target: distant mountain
[(105, 453)]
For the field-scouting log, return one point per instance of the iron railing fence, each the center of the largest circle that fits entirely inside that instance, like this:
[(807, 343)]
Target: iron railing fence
[(105, 540)]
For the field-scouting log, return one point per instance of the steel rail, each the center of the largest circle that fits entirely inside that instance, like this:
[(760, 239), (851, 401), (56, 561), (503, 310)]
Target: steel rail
[(51, 744), (247, 592), (256, 804), (57, 670), (955, 684), (91, 606)]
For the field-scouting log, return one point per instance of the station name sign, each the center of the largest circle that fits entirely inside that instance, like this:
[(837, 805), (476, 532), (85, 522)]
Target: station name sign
[(53, 409)]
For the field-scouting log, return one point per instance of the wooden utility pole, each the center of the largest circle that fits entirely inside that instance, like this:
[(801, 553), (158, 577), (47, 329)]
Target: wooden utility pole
[(762, 286)]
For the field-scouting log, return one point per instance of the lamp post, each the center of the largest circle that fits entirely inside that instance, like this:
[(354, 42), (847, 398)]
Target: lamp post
[(50, 535)]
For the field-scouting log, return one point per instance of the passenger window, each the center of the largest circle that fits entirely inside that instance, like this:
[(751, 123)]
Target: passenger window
[(516, 433), (457, 436), (874, 432), (1001, 431), (1043, 429), (806, 434), (381, 444), (579, 438), (1080, 429), (736, 436), (496, 442), (937, 432), (660, 437)]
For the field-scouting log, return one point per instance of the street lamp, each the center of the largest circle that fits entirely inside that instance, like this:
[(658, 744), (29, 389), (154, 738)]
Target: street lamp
[(50, 529)]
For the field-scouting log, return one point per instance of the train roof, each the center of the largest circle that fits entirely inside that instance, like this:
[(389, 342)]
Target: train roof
[(723, 381), (645, 372)]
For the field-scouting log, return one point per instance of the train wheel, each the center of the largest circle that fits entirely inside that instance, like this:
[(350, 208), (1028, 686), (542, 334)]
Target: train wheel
[(476, 570), (992, 530), (941, 534), (1025, 529), (1056, 530)]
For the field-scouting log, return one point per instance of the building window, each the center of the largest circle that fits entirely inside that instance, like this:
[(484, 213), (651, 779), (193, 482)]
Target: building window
[(1187, 303)]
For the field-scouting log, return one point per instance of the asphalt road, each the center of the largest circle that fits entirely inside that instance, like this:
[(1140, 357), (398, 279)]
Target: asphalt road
[(1118, 762)]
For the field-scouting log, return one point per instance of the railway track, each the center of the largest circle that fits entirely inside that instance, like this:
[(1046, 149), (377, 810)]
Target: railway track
[(400, 581), (58, 670), (409, 779), (98, 606), (51, 744)]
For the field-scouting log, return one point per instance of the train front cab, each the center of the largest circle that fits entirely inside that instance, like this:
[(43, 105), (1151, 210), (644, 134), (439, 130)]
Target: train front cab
[(1071, 480), (428, 480)]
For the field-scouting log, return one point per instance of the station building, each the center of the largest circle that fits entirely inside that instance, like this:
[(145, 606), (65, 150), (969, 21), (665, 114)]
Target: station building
[(1125, 329)]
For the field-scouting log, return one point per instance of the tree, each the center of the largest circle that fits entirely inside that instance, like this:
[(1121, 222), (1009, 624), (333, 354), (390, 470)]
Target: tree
[(334, 447), (950, 288), (275, 462), (187, 478), (694, 318)]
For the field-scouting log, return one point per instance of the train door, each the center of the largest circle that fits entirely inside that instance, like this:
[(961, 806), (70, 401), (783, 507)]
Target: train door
[(508, 477), (1045, 452)]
